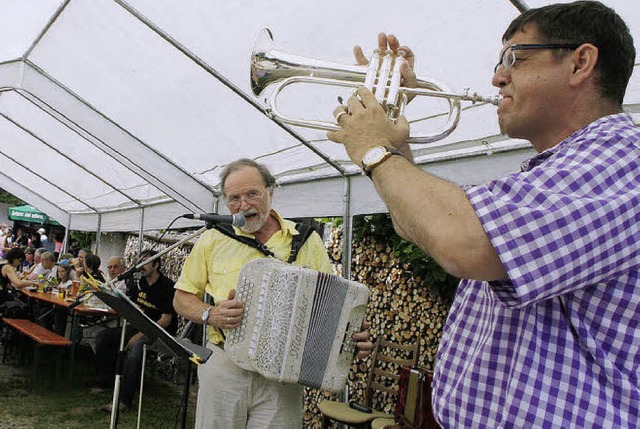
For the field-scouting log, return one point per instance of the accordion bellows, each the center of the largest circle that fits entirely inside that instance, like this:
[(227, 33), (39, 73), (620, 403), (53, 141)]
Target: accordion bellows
[(297, 324)]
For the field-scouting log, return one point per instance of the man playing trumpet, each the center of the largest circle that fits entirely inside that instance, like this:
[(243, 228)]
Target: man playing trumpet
[(543, 331)]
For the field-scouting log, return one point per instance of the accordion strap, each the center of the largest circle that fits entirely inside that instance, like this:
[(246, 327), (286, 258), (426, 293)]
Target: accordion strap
[(304, 231)]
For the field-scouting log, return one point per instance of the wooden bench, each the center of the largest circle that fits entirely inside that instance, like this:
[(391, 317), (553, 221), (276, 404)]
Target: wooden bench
[(42, 337)]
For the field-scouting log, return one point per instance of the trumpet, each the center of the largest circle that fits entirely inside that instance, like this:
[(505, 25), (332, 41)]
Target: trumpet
[(278, 69)]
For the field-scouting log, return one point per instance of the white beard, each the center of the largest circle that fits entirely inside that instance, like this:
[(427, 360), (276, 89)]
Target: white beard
[(254, 224)]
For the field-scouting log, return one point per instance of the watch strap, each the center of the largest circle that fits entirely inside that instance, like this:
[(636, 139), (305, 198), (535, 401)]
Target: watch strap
[(390, 152), (206, 313)]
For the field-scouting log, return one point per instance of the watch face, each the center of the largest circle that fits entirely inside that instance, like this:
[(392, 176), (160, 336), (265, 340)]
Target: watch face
[(205, 314), (374, 154)]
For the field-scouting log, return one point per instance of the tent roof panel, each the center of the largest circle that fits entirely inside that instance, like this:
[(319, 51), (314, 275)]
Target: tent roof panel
[(147, 100)]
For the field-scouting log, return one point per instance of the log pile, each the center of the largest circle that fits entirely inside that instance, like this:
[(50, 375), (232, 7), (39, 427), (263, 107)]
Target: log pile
[(401, 307)]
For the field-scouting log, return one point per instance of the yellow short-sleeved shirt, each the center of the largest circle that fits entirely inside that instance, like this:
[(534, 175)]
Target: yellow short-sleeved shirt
[(215, 261)]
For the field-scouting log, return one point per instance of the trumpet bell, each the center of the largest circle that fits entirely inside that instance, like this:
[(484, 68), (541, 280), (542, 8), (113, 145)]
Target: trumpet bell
[(270, 66)]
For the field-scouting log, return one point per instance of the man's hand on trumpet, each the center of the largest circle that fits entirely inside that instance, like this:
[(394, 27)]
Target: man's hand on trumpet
[(390, 41), (365, 124), (363, 120)]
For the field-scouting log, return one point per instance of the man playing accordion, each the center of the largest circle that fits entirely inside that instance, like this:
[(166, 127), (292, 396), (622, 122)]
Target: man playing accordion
[(229, 396)]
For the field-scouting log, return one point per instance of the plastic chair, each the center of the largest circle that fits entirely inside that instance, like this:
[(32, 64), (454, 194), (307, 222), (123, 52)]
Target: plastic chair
[(387, 358), (385, 423)]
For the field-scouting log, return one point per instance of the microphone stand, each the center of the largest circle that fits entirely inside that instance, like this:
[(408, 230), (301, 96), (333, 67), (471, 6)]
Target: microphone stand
[(120, 364), (140, 264), (115, 402)]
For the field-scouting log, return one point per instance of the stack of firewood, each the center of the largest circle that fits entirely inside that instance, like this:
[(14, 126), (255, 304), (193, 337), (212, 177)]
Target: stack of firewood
[(401, 308)]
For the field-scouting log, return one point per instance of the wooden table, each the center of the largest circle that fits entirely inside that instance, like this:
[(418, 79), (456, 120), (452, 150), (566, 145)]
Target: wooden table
[(54, 298)]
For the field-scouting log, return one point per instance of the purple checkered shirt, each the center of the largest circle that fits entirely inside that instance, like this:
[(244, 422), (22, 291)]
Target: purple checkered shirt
[(558, 344)]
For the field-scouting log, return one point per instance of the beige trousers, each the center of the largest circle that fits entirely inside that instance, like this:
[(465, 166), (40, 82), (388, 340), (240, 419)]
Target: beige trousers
[(231, 398)]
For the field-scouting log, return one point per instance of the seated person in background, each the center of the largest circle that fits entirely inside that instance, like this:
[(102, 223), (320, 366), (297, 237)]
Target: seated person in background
[(78, 263), (92, 267), (29, 254), (54, 270), (63, 273), (9, 278), (37, 255), (115, 267), (63, 276), (155, 299), (47, 261)]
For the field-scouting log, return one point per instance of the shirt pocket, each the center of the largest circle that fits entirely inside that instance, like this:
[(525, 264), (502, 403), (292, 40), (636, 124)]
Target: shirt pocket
[(224, 276)]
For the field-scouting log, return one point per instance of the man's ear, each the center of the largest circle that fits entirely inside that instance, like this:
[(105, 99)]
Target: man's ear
[(583, 61)]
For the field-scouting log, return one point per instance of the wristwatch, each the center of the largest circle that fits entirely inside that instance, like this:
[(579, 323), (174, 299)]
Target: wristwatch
[(376, 156), (205, 314)]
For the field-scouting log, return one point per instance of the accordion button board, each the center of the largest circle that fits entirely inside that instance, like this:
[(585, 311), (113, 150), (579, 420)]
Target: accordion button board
[(297, 324)]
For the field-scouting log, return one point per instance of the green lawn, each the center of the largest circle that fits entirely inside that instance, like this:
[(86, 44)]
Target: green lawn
[(56, 405)]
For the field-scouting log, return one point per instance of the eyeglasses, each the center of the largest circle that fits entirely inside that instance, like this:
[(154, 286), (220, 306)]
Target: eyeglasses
[(113, 267), (251, 197), (508, 56)]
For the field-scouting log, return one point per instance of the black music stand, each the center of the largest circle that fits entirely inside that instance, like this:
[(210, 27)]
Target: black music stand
[(161, 340)]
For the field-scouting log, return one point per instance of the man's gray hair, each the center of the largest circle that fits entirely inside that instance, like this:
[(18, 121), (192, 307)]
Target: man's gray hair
[(267, 177)]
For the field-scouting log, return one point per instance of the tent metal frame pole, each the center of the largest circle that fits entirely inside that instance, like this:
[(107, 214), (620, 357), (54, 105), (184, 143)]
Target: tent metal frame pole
[(347, 247), (347, 231), (31, 191), (46, 28), (98, 232), (141, 231), (226, 82), (82, 167), (48, 182), (67, 235), (520, 5), (100, 144)]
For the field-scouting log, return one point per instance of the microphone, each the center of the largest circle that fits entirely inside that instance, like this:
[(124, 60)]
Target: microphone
[(235, 220)]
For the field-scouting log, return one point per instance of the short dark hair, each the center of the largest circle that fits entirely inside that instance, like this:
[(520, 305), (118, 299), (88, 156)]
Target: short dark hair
[(267, 177), (15, 253), (149, 253), (587, 22), (93, 262)]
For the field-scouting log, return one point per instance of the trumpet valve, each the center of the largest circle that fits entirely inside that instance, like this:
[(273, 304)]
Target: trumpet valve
[(383, 77), (372, 70), (396, 77)]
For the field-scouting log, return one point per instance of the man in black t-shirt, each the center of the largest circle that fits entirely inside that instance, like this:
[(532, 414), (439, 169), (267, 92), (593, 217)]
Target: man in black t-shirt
[(154, 296)]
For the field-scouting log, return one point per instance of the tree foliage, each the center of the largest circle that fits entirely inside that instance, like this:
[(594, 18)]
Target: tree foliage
[(380, 228), (7, 198), (83, 239)]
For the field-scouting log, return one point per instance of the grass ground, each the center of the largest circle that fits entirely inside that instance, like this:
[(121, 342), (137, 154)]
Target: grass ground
[(56, 405)]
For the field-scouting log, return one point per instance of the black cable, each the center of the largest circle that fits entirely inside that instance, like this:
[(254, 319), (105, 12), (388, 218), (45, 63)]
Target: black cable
[(167, 228)]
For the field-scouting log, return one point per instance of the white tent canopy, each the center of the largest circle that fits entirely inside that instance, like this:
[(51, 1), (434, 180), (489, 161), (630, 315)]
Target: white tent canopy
[(120, 114)]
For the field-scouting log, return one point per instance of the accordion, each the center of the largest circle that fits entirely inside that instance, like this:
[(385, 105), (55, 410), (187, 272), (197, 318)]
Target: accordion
[(297, 324)]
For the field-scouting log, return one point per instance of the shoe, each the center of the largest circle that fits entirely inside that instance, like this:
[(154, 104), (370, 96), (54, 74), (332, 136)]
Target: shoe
[(123, 408)]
